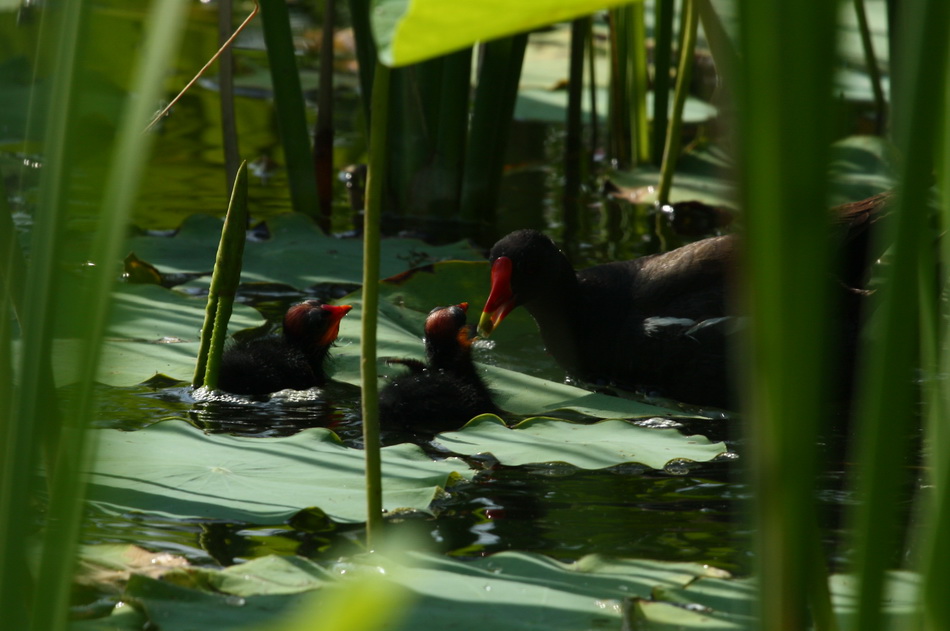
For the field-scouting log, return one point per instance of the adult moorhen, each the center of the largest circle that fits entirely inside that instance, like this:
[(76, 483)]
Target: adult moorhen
[(659, 322), (445, 392), (292, 361)]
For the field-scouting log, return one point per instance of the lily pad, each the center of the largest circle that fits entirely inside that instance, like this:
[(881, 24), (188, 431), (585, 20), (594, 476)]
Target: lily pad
[(171, 469), (151, 330), (508, 590), (296, 254), (728, 604), (604, 444)]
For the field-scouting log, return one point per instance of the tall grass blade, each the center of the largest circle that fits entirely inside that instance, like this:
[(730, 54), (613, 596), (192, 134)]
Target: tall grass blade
[(368, 373), (887, 401), (289, 103), (35, 408), (784, 132), (33, 417)]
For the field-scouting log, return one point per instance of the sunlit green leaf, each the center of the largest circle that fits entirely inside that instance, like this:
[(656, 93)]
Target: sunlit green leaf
[(172, 469), (409, 31), (596, 446)]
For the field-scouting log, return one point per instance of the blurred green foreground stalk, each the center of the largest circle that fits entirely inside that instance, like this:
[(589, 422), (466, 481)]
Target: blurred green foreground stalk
[(36, 436)]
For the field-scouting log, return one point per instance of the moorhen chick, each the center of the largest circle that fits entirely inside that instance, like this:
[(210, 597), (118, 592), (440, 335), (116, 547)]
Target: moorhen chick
[(293, 361), (659, 323), (445, 392)]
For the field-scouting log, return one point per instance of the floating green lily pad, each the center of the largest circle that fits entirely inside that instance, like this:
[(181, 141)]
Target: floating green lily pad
[(296, 254), (172, 469), (604, 444), (508, 590)]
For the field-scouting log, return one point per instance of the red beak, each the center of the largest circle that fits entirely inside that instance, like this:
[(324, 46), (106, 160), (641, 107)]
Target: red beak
[(336, 313), (501, 300)]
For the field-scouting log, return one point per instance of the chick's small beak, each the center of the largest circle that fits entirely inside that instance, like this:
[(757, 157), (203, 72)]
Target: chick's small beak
[(501, 299), (336, 313)]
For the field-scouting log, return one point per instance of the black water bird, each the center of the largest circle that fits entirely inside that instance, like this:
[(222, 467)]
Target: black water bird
[(659, 323), (446, 391)]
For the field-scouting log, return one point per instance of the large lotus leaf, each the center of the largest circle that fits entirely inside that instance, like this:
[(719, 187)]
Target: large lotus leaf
[(604, 444), (172, 469), (409, 31), (151, 330), (508, 590), (297, 253), (728, 604)]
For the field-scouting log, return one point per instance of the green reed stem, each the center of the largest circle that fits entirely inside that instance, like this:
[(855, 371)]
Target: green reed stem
[(888, 393), (376, 175), (323, 130), (224, 283), (671, 149), (870, 60), (639, 85), (229, 138), (783, 137), (289, 104), (492, 111), (662, 64)]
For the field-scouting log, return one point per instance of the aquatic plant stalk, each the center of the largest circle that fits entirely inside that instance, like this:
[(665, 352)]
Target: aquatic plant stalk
[(574, 162), (935, 548), (224, 283), (671, 149), (368, 373), (887, 392), (43, 603), (639, 85), (33, 423), (323, 130), (592, 91), (492, 111), (229, 138), (662, 64), (782, 177), (289, 105), (365, 51), (870, 60), (618, 119), (227, 43)]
